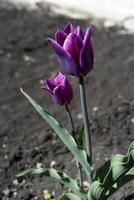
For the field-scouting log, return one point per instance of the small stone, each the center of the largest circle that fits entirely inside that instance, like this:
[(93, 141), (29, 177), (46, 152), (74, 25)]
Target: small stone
[(6, 192), (104, 130), (15, 182), (132, 120), (119, 108), (53, 193), (79, 116), (28, 58), (17, 74), (31, 190), (6, 157), (15, 194), (86, 185), (4, 146), (4, 107), (98, 154), (106, 159), (38, 165), (95, 109), (41, 81), (53, 141), (97, 158), (53, 163), (23, 182)]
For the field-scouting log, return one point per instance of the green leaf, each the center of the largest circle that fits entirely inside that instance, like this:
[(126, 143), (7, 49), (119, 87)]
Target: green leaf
[(113, 175), (69, 196), (79, 154), (81, 134), (97, 191), (130, 172), (58, 176)]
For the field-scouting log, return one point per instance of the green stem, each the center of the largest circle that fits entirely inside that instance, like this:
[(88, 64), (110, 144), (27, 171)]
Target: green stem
[(70, 118), (73, 131), (86, 122), (80, 174)]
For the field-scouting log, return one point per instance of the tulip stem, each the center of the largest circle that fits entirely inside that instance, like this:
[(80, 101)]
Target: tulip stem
[(86, 123), (73, 132), (70, 118), (80, 174)]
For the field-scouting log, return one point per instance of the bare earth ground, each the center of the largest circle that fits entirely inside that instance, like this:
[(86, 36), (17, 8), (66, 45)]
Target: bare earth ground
[(25, 139)]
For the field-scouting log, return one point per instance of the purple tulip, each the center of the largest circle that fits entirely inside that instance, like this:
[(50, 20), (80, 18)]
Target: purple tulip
[(59, 88), (74, 50)]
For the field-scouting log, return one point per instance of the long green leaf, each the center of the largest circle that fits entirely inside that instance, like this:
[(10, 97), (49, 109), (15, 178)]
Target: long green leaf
[(79, 154), (58, 176)]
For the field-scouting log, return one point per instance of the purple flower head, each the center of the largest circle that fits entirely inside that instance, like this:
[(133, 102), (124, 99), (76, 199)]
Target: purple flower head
[(74, 49), (59, 88)]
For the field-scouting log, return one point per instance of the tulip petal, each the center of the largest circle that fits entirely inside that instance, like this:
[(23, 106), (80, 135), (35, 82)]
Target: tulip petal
[(48, 85), (69, 28), (58, 95), (73, 46), (79, 32), (68, 92), (86, 54), (65, 59), (59, 78), (60, 37)]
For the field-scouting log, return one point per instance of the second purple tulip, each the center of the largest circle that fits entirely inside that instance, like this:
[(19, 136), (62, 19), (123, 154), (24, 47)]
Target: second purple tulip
[(60, 89)]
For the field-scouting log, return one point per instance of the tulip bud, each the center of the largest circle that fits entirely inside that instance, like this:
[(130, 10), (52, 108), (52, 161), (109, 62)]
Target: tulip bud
[(74, 50), (60, 89)]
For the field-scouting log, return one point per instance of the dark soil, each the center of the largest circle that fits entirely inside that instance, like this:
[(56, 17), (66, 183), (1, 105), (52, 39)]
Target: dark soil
[(25, 139)]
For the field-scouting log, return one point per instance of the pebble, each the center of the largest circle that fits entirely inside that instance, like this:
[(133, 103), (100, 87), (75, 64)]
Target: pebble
[(79, 116), (106, 159), (95, 109), (15, 194), (23, 182), (17, 74), (6, 157), (104, 130), (15, 182), (53, 163), (53, 193), (39, 165), (41, 81), (28, 58), (6, 192), (53, 141), (4, 146), (86, 185), (132, 120), (4, 107), (119, 108)]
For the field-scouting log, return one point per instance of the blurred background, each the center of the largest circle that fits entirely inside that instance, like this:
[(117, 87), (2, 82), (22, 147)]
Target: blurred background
[(25, 58)]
